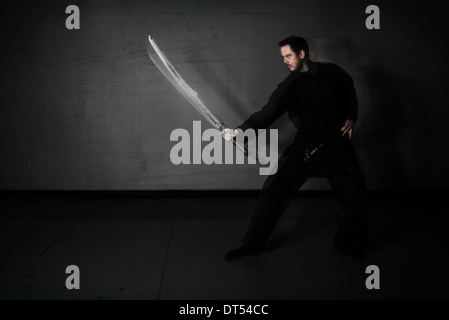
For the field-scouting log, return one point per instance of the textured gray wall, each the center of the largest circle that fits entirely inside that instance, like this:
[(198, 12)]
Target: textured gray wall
[(86, 109)]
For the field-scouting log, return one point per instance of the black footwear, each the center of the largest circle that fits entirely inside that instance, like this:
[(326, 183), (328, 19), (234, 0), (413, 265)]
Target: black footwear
[(241, 252), (355, 254)]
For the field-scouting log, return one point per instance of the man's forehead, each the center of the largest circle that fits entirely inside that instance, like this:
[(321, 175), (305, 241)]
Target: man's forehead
[(286, 50)]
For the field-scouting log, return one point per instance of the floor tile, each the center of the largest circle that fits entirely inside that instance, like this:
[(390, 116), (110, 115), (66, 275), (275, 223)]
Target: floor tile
[(196, 268), (117, 260)]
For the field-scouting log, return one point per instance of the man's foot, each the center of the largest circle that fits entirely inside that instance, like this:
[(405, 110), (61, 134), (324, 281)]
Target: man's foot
[(243, 251), (355, 254)]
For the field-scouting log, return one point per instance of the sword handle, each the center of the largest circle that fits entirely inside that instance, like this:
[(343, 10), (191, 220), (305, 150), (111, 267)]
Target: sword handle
[(238, 145), (221, 127)]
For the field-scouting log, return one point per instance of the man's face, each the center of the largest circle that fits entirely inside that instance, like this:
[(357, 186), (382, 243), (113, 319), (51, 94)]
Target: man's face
[(291, 59)]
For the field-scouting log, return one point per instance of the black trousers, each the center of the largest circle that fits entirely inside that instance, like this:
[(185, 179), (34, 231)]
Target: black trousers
[(338, 163)]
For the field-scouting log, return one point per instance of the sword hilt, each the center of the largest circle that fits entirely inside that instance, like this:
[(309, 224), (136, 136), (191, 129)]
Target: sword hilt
[(221, 127), (238, 145), (309, 154)]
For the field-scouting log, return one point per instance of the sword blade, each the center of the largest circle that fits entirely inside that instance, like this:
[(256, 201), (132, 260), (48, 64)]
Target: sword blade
[(169, 71)]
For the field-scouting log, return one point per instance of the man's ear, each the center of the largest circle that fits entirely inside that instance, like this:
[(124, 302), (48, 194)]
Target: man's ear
[(302, 54)]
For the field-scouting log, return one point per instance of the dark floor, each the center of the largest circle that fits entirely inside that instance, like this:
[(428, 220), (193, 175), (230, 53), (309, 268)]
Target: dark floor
[(172, 248)]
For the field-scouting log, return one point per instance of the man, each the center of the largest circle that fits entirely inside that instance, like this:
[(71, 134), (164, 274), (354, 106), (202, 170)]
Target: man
[(321, 102)]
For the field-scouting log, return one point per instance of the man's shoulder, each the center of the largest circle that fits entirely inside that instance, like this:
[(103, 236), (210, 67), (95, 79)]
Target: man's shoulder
[(291, 78), (285, 85), (332, 69), (326, 65)]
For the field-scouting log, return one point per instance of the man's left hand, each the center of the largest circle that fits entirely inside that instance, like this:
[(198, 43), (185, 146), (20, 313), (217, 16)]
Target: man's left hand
[(347, 129), (229, 134)]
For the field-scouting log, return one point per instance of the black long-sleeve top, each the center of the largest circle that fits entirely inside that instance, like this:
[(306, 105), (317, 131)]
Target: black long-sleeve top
[(318, 103)]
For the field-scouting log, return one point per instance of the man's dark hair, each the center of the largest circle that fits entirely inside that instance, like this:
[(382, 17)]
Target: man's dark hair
[(296, 44)]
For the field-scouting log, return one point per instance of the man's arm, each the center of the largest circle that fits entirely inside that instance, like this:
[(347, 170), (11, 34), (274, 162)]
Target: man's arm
[(276, 106)]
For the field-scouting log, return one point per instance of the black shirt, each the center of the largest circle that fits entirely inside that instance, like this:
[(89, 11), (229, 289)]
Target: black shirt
[(318, 103)]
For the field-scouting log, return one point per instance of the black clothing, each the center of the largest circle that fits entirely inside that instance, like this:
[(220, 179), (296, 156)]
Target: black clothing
[(338, 164), (318, 103)]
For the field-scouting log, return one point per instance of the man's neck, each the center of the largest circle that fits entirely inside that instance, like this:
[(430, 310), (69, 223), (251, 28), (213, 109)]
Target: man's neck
[(305, 66), (308, 67)]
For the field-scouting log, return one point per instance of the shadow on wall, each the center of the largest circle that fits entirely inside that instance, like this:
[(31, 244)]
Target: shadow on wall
[(392, 139), (381, 130)]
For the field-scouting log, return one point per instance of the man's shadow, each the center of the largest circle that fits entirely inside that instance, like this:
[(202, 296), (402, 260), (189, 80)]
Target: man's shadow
[(383, 142)]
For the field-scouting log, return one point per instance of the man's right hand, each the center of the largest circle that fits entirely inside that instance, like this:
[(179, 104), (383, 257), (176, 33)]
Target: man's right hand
[(228, 134), (347, 129)]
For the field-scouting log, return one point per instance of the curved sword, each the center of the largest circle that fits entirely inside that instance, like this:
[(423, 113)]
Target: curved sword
[(168, 70)]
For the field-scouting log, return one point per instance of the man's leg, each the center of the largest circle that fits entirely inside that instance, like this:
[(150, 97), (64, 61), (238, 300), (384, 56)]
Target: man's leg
[(275, 196), (347, 181)]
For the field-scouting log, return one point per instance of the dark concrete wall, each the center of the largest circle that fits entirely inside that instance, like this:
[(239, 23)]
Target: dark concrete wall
[(86, 109)]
